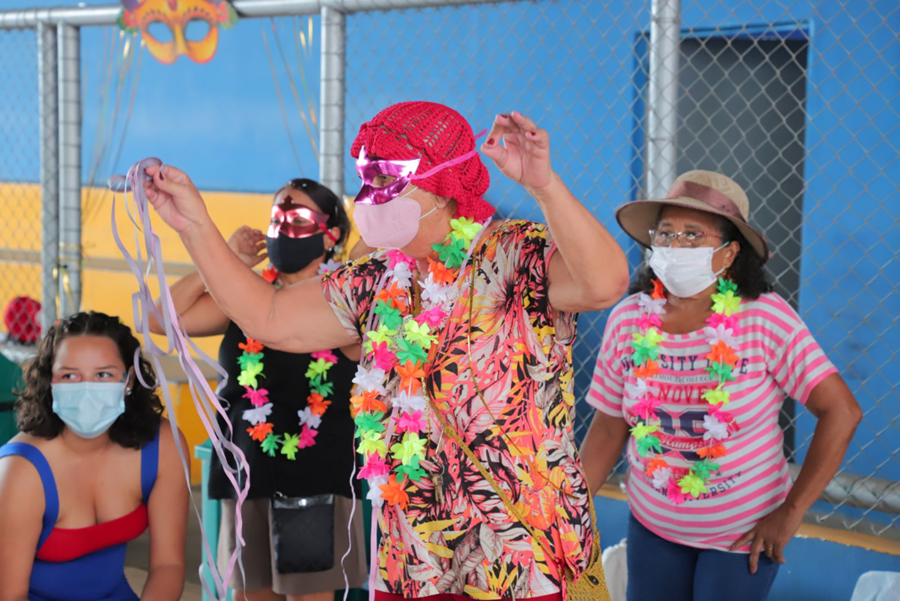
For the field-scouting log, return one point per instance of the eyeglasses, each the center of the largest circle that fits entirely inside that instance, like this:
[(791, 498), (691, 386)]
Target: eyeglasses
[(691, 239)]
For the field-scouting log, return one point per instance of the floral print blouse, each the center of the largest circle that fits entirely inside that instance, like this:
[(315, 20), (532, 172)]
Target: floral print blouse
[(462, 539)]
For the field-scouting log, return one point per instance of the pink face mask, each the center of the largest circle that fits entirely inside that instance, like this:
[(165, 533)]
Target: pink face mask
[(385, 218), (390, 225)]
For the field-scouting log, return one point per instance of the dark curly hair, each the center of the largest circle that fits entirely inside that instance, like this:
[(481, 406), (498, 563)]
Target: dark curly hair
[(34, 405), (747, 271), (329, 203)]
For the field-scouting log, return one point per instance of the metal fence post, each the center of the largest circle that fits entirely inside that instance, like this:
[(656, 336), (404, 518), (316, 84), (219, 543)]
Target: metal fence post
[(69, 49), (48, 107), (331, 136), (662, 105)]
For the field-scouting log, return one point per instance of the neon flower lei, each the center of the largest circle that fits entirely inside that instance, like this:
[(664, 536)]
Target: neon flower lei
[(251, 362), (401, 344), (679, 484)]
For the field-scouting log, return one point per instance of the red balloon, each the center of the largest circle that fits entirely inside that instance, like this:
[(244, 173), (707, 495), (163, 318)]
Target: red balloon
[(22, 319)]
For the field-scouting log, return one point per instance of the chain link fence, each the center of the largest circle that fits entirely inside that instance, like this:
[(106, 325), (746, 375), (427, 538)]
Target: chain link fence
[(20, 198), (796, 101)]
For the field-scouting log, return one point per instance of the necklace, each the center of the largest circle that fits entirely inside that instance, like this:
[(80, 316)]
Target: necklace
[(261, 430), (403, 344), (678, 483)]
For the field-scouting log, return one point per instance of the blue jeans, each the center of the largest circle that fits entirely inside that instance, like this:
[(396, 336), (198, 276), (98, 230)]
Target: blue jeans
[(660, 570)]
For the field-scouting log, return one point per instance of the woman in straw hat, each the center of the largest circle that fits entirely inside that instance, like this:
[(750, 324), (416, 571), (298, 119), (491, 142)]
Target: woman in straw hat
[(464, 393), (695, 366)]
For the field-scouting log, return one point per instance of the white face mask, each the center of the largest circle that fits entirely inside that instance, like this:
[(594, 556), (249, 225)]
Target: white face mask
[(684, 271)]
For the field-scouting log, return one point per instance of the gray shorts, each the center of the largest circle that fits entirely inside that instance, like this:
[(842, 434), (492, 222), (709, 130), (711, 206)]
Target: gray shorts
[(258, 558)]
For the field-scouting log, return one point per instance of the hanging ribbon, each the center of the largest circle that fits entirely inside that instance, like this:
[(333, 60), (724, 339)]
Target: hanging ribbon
[(205, 400)]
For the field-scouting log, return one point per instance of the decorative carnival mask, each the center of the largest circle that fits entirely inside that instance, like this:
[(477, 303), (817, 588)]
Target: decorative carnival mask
[(296, 221), (192, 26)]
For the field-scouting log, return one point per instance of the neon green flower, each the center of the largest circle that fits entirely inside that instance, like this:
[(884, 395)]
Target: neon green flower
[(368, 422), (270, 444), (410, 351), (419, 333), (726, 303), (371, 442), (692, 485), (452, 254), (390, 317), (249, 375), (647, 444), (703, 469), (413, 473), (289, 447), (317, 368), (326, 389), (717, 396), (723, 371), (410, 449), (726, 286), (247, 359), (382, 334), (465, 228), (642, 430)]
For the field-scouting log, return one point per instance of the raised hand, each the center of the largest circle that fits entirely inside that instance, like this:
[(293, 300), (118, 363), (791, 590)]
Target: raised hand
[(520, 150), (248, 244), (175, 198)]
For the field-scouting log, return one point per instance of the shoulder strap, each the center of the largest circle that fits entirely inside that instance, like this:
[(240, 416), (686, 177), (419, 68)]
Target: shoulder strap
[(149, 466), (51, 497)]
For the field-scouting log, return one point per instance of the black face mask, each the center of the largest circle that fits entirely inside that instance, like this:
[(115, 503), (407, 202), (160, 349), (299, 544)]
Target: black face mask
[(290, 255)]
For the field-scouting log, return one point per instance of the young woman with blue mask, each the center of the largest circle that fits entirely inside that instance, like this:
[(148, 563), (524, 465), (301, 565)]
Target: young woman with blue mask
[(93, 467)]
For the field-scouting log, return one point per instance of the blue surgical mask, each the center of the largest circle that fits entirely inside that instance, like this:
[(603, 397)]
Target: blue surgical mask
[(89, 408)]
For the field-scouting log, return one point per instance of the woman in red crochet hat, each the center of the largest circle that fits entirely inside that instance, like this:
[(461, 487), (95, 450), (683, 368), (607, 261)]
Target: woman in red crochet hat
[(464, 394)]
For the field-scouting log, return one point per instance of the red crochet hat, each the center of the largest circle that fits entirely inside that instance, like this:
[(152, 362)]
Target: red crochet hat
[(22, 319), (434, 134)]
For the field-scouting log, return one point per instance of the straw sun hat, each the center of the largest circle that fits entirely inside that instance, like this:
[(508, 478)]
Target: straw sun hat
[(699, 190)]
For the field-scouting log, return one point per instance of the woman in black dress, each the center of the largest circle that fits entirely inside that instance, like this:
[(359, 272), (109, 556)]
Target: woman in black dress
[(290, 414)]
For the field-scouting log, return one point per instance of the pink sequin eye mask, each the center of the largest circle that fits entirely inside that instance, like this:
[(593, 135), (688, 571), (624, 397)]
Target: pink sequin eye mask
[(403, 172)]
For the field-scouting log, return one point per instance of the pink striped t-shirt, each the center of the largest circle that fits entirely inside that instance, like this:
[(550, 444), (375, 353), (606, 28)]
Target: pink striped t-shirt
[(778, 357)]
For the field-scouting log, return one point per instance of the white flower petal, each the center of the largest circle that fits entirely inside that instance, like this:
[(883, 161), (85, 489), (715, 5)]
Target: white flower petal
[(661, 476), (714, 429), (258, 415), (375, 485), (370, 380), (409, 403), (402, 275), (652, 305)]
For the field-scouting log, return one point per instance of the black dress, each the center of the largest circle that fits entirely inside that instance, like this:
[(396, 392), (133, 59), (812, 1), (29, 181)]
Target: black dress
[(321, 469)]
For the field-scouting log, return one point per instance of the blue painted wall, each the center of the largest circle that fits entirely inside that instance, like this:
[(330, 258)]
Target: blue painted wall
[(571, 66)]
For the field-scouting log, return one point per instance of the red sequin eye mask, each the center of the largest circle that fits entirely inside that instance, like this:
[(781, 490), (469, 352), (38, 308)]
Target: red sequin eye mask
[(297, 221)]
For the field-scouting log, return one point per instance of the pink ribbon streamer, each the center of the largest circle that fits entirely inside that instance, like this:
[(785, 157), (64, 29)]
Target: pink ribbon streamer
[(205, 399)]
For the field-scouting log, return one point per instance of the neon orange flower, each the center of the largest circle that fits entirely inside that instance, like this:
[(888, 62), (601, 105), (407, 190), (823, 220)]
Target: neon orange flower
[(270, 274), (260, 431), (317, 404), (712, 452), (393, 295), (370, 402), (658, 290), (646, 371), (655, 464), (393, 492), (411, 377), (722, 353), (440, 272), (251, 346)]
